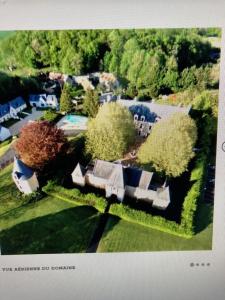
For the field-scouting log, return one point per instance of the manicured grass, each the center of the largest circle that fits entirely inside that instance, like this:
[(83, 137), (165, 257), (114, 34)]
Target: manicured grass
[(9, 196), (4, 148), (123, 236), (47, 226)]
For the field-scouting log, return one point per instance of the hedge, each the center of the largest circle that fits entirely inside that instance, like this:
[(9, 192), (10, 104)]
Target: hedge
[(50, 116), (186, 227), (145, 219), (75, 196)]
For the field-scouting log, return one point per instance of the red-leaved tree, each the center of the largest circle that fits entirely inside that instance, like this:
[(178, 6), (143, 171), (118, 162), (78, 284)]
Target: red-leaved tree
[(39, 143)]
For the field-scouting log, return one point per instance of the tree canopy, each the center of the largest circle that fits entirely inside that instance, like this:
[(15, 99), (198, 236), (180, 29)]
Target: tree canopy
[(91, 103), (148, 62), (66, 104), (169, 147), (111, 133), (39, 143)]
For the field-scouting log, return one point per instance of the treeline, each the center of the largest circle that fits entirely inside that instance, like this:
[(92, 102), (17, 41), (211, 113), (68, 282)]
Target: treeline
[(148, 62), (14, 86)]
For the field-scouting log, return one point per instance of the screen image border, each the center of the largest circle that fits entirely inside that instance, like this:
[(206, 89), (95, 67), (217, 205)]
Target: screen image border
[(109, 273)]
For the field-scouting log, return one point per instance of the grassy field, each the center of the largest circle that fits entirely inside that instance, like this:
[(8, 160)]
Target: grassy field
[(9, 196), (54, 226), (3, 149), (123, 236), (5, 34), (46, 226)]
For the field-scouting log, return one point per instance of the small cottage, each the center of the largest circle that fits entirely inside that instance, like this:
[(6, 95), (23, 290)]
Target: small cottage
[(24, 177)]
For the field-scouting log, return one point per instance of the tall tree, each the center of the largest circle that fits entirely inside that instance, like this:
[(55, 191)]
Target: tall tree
[(40, 143), (66, 104), (91, 103), (169, 146), (110, 134)]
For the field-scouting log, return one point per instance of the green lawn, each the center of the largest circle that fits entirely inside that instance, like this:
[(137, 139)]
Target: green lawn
[(123, 236), (46, 226), (3, 149), (9, 196)]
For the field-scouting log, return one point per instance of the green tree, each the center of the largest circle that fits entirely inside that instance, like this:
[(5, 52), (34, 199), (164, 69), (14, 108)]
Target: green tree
[(169, 147), (66, 104), (72, 62), (111, 133), (91, 103)]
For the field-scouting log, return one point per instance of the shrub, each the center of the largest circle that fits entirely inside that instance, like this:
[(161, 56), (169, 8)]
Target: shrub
[(50, 116), (75, 196), (143, 218)]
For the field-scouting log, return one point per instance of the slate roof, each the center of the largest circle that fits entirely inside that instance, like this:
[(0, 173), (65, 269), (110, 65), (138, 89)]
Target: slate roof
[(103, 169), (37, 98), (17, 102), (4, 109), (79, 170), (21, 170), (117, 177), (120, 176), (152, 110)]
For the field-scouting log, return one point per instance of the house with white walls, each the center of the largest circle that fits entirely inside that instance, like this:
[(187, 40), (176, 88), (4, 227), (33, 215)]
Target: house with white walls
[(24, 177), (122, 181), (44, 101), (10, 109)]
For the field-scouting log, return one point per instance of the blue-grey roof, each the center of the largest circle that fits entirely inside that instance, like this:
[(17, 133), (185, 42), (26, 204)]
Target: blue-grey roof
[(142, 110), (37, 98), (17, 102), (4, 109), (154, 109), (22, 170)]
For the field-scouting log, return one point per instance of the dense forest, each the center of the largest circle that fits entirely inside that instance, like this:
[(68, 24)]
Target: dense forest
[(148, 62)]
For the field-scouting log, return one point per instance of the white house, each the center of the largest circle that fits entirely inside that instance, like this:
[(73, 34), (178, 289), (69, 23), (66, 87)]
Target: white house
[(44, 100), (10, 109), (24, 178), (119, 180), (4, 133), (17, 105)]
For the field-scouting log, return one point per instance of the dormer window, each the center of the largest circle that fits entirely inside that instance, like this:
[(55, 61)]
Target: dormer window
[(135, 117), (142, 118)]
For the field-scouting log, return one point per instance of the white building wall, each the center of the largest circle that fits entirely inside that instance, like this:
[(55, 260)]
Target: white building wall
[(78, 180), (26, 186), (96, 181)]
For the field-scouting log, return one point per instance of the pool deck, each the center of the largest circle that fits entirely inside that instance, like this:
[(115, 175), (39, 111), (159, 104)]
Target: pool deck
[(70, 128)]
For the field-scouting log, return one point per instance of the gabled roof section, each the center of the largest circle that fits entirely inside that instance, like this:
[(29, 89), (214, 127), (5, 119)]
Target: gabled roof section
[(17, 102), (117, 176), (145, 180), (79, 171), (4, 109), (103, 169), (37, 98), (153, 110), (21, 169)]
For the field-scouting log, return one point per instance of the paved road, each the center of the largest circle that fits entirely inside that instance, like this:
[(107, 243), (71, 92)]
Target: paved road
[(8, 157), (15, 128)]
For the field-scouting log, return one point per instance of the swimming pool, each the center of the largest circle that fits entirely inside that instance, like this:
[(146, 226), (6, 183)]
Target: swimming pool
[(76, 120), (72, 124)]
